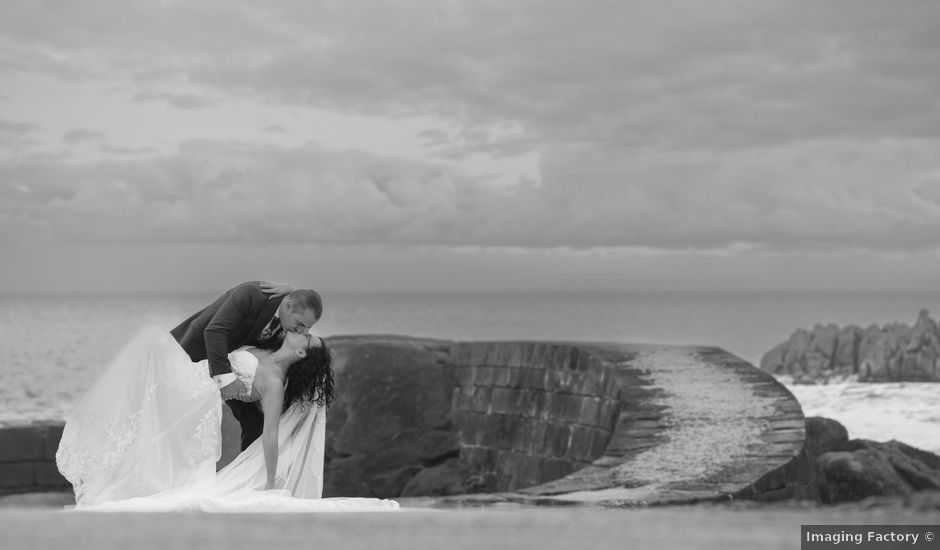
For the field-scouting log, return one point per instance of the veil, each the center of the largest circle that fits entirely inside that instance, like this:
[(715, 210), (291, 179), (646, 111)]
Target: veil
[(301, 439)]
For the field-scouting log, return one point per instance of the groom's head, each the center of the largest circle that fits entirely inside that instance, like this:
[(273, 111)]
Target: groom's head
[(300, 310)]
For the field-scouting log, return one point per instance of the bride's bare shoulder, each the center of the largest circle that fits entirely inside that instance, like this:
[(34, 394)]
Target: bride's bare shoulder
[(269, 378)]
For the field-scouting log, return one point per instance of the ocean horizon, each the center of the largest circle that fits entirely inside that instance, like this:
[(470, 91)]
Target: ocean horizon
[(52, 345)]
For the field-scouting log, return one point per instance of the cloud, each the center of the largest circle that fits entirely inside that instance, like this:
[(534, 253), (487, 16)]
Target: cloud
[(613, 75), (12, 132), (732, 74), (14, 129), (929, 189), (79, 136), (736, 124), (18, 137), (243, 193), (126, 151), (180, 101), (224, 192)]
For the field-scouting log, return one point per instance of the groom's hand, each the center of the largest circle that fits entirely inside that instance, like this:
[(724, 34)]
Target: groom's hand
[(275, 291), (236, 390)]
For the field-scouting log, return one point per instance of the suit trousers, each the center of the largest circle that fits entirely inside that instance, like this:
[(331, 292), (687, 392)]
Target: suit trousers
[(250, 419)]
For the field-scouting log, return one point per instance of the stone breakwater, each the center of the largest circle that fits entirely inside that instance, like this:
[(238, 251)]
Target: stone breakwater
[(473, 423), (558, 423), (891, 353)]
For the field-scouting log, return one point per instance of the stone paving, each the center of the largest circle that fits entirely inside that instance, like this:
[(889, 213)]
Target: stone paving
[(690, 424)]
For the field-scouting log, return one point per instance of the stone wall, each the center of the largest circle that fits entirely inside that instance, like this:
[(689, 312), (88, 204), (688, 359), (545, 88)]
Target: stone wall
[(530, 412), (27, 459)]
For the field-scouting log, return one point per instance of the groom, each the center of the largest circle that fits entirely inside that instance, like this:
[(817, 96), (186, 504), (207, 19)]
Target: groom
[(251, 313)]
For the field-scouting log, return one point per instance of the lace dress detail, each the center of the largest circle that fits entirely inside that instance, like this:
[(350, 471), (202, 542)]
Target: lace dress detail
[(149, 396), (244, 366)]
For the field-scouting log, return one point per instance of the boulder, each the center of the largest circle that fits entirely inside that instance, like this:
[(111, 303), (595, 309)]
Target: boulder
[(391, 419), (824, 435), (844, 470), (869, 468), (845, 476)]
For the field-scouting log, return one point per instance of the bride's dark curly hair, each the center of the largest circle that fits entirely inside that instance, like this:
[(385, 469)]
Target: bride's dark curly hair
[(310, 379)]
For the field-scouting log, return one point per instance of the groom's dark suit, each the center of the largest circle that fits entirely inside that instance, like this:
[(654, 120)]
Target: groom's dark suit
[(235, 319)]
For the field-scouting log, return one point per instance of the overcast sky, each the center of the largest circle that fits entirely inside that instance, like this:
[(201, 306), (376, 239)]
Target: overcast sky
[(470, 145)]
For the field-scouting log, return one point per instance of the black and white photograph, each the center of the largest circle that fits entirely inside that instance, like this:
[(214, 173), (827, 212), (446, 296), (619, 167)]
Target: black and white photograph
[(428, 274)]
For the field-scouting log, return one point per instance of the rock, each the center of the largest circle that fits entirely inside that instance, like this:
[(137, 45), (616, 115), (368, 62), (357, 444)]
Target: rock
[(822, 349), (824, 435), (921, 350), (926, 457), (894, 352), (392, 416), (451, 477), (869, 468), (793, 362), (880, 351), (774, 360), (920, 469), (850, 476), (844, 470), (845, 360)]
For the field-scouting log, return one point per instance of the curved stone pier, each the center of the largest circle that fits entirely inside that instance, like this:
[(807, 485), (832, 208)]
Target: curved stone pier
[(565, 422)]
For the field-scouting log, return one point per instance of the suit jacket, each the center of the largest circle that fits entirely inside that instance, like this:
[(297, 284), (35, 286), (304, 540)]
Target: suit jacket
[(235, 319)]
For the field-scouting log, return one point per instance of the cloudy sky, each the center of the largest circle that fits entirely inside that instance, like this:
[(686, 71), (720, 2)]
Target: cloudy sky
[(728, 144)]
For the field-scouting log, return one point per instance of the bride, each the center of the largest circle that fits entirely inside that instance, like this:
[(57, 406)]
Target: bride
[(147, 434)]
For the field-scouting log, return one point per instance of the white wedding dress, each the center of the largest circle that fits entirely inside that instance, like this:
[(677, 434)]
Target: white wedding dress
[(147, 436)]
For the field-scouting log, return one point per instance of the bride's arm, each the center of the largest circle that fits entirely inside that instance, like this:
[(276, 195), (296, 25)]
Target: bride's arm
[(272, 400)]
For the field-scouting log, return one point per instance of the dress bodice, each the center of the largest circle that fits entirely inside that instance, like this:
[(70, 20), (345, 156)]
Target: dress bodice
[(244, 366)]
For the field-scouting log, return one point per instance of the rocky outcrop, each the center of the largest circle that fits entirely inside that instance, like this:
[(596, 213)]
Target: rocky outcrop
[(891, 353), (853, 470)]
